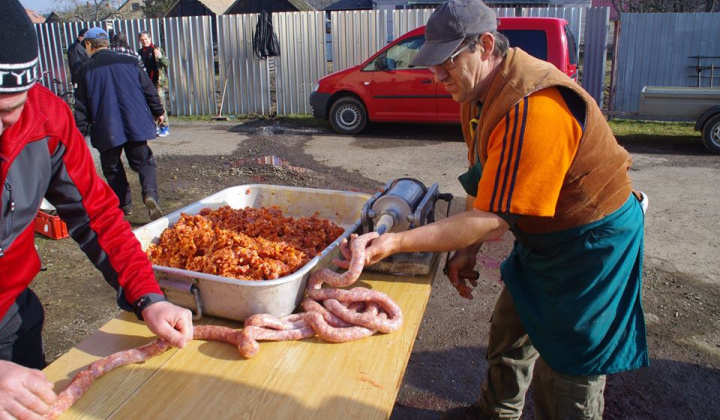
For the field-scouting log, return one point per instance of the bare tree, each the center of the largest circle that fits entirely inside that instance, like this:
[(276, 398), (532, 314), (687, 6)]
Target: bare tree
[(87, 10), (663, 6)]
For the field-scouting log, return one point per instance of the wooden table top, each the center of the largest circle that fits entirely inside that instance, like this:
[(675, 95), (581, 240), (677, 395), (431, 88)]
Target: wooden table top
[(307, 379)]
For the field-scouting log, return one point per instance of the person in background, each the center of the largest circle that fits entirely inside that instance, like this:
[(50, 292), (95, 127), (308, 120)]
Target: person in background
[(545, 165), (42, 154), (77, 56), (156, 64), (116, 103), (120, 45)]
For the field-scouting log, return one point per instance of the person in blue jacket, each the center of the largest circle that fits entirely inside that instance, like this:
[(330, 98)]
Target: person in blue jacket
[(118, 106)]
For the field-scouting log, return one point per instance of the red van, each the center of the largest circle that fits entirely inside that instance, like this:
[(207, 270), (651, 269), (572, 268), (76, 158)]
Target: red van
[(385, 88)]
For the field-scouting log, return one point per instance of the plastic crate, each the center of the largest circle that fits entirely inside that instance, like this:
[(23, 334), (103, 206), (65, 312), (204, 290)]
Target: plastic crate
[(50, 226)]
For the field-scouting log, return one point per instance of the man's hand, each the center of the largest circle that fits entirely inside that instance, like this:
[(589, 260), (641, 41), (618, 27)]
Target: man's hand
[(381, 247), (170, 322), (157, 53), (24, 393), (461, 268)]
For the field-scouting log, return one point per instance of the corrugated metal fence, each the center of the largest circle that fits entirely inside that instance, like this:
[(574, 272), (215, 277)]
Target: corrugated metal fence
[(212, 60), (244, 80), (662, 49), (596, 43)]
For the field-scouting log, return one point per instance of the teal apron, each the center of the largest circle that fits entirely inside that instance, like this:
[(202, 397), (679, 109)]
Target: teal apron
[(578, 293)]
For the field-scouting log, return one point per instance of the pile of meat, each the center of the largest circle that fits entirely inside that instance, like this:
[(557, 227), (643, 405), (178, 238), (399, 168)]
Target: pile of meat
[(245, 244)]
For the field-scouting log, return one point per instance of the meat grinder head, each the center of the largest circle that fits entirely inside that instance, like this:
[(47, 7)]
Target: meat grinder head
[(403, 204)]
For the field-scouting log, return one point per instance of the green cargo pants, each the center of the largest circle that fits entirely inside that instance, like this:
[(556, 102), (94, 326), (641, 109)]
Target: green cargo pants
[(512, 368)]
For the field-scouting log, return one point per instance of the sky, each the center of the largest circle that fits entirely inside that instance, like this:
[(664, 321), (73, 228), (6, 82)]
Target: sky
[(41, 6)]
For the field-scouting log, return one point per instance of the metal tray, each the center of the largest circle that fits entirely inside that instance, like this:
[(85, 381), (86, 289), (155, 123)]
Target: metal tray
[(207, 294)]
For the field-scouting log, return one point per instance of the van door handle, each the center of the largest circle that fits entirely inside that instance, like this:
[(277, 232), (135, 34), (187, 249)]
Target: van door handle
[(426, 81)]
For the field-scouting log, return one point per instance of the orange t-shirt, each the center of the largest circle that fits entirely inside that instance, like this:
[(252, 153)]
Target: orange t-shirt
[(529, 153)]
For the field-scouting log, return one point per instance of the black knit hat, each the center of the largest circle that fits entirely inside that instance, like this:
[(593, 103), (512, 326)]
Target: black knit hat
[(18, 49)]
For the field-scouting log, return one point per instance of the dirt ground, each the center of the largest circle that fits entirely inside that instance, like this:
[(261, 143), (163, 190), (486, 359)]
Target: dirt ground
[(681, 273)]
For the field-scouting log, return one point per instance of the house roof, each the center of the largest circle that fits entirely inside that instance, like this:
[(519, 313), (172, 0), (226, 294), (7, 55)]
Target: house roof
[(218, 7), (492, 3), (337, 4), (302, 5), (34, 16), (350, 5)]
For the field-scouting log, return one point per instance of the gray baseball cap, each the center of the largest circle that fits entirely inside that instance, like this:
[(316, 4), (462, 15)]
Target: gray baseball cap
[(449, 25)]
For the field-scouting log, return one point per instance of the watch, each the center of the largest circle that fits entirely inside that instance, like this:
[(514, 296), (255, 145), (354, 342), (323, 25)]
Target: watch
[(145, 301)]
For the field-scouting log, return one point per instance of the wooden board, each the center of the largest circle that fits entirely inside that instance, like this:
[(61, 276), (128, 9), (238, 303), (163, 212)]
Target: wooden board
[(286, 380)]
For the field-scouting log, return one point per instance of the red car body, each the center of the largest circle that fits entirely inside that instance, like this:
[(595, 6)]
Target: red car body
[(385, 88)]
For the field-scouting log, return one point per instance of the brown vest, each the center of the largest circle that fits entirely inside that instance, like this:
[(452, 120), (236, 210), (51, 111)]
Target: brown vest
[(597, 182)]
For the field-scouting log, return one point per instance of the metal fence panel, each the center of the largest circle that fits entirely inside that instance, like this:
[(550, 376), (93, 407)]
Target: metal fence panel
[(52, 57), (133, 27), (405, 20), (593, 76), (191, 74), (244, 78), (656, 49), (302, 59), (356, 36)]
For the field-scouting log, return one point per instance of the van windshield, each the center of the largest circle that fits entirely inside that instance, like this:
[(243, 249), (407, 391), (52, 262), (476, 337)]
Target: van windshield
[(532, 42)]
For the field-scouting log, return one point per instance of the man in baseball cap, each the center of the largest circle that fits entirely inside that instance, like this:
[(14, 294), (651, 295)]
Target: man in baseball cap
[(449, 25), (96, 33), (544, 165), (42, 154)]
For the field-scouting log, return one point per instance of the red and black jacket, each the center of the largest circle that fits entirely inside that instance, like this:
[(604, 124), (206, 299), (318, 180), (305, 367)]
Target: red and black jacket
[(44, 155)]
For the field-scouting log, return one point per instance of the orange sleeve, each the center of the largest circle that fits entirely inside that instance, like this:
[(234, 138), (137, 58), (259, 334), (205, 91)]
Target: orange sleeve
[(529, 154)]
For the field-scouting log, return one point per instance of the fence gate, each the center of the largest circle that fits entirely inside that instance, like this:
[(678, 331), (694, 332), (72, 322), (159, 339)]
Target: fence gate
[(593, 76), (302, 59), (191, 73), (356, 36)]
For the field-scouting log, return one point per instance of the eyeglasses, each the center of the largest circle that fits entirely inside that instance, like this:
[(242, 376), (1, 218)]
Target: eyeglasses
[(449, 64)]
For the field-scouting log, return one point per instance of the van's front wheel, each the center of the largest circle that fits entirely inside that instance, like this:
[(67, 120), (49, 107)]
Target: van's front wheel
[(348, 115), (711, 134)]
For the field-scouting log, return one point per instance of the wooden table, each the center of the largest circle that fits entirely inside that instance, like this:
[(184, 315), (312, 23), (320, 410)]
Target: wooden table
[(307, 379)]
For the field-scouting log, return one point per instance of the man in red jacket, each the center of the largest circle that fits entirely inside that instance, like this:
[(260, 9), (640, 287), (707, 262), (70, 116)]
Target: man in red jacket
[(42, 154)]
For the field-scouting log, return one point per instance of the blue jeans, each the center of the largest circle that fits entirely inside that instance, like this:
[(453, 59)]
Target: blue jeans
[(21, 336)]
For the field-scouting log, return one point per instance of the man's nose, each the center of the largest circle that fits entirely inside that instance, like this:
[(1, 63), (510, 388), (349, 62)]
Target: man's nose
[(439, 73)]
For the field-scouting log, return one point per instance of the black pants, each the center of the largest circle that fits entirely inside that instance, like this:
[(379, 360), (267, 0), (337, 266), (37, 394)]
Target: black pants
[(141, 160), (21, 336)]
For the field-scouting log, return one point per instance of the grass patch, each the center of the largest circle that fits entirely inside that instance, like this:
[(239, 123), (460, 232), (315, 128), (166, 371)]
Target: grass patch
[(632, 128), (302, 119)]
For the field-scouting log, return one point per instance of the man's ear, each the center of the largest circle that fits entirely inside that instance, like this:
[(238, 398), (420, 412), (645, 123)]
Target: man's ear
[(486, 44)]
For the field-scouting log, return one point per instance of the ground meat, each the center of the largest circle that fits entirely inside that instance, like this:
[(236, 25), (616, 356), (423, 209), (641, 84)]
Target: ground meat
[(246, 244)]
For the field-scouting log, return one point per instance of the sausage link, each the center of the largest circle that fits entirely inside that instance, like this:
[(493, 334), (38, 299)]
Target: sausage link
[(333, 334), (354, 269), (250, 336), (310, 305), (82, 381), (274, 323), (394, 314)]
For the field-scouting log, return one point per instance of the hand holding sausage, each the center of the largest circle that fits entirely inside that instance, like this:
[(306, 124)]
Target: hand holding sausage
[(382, 247), (460, 268), (24, 393), (170, 322)]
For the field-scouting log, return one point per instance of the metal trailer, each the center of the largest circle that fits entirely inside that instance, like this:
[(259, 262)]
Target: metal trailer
[(700, 104)]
